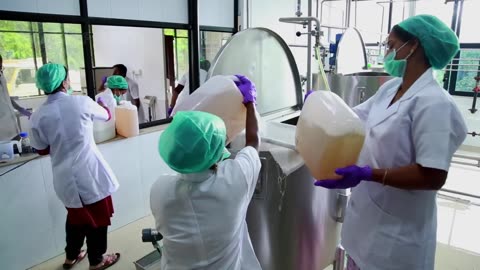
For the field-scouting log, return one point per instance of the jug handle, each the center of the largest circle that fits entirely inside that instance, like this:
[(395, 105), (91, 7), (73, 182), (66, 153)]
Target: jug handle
[(19, 145)]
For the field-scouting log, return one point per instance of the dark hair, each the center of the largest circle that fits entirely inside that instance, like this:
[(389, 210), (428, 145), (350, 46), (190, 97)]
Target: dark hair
[(402, 34), (122, 68), (205, 65), (406, 36), (60, 87)]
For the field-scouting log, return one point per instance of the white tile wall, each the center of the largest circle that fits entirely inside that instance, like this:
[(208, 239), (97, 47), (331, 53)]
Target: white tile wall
[(25, 229)]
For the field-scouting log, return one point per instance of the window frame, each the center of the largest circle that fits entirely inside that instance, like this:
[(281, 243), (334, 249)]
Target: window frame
[(451, 83), (86, 22)]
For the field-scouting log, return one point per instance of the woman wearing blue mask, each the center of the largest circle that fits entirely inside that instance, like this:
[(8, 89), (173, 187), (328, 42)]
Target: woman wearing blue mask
[(413, 128)]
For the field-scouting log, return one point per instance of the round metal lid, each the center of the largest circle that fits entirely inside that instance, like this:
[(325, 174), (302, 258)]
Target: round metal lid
[(262, 56), (351, 54)]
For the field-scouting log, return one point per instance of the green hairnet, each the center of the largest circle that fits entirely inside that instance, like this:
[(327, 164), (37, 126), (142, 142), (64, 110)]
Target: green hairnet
[(193, 142), (437, 39), (50, 76), (117, 82)]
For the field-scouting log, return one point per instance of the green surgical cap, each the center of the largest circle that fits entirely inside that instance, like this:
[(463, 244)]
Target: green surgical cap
[(50, 76), (437, 39), (117, 82), (193, 142)]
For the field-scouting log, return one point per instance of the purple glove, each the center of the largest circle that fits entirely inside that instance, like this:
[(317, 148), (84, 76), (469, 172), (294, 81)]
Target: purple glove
[(169, 112), (352, 176), (100, 101), (104, 80), (247, 88), (307, 94), (25, 112)]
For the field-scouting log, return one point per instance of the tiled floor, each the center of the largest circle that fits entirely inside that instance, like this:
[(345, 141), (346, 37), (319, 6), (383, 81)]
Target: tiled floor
[(126, 240), (462, 252)]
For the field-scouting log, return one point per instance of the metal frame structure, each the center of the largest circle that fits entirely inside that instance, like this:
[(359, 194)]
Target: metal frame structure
[(85, 21)]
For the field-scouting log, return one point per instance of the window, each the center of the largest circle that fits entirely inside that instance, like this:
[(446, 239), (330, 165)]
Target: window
[(468, 69), (26, 46), (180, 44), (210, 45), (145, 60)]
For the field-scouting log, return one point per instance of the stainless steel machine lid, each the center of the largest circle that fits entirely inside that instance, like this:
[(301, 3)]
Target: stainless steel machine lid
[(351, 54), (263, 56)]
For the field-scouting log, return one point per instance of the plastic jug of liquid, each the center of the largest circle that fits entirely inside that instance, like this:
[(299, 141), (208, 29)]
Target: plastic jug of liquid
[(104, 131), (6, 150), (220, 96), (329, 134), (25, 143), (126, 119)]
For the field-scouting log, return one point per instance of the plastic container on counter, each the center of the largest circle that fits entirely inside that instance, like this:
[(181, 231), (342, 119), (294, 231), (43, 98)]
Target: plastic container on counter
[(126, 119), (104, 131)]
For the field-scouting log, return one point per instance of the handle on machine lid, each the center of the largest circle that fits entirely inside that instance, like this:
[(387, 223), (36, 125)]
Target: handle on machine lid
[(361, 96)]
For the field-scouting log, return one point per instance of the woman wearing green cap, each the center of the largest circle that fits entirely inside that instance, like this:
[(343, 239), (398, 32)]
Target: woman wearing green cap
[(201, 212), (413, 128), (83, 181), (118, 85)]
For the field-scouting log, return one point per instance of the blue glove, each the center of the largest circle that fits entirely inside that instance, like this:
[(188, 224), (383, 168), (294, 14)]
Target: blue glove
[(307, 94), (169, 112), (247, 88), (352, 176)]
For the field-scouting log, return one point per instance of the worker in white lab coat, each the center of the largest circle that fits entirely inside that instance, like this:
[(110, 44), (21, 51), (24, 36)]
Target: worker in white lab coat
[(133, 92), (201, 212), (183, 88), (83, 181), (9, 128), (413, 128)]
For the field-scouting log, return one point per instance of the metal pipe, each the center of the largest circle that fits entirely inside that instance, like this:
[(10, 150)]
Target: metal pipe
[(309, 49), (347, 13), (299, 8), (460, 193), (335, 27), (356, 6)]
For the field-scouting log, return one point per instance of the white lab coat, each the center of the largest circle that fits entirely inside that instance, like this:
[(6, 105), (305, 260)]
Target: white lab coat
[(8, 121), (80, 174), (133, 92), (202, 216), (185, 81), (387, 228)]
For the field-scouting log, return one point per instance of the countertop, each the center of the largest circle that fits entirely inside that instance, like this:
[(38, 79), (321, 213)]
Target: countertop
[(29, 157)]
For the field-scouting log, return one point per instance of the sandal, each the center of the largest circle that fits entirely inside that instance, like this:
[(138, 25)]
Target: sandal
[(108, 261), (79, 258)]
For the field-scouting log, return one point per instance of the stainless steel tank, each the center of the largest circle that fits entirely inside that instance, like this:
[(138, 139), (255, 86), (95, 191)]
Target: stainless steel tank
[(358, 87), (350, 79), (292, 224)]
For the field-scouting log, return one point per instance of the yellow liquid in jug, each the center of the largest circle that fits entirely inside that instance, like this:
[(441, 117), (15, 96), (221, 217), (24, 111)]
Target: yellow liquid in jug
[(323, 153)]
